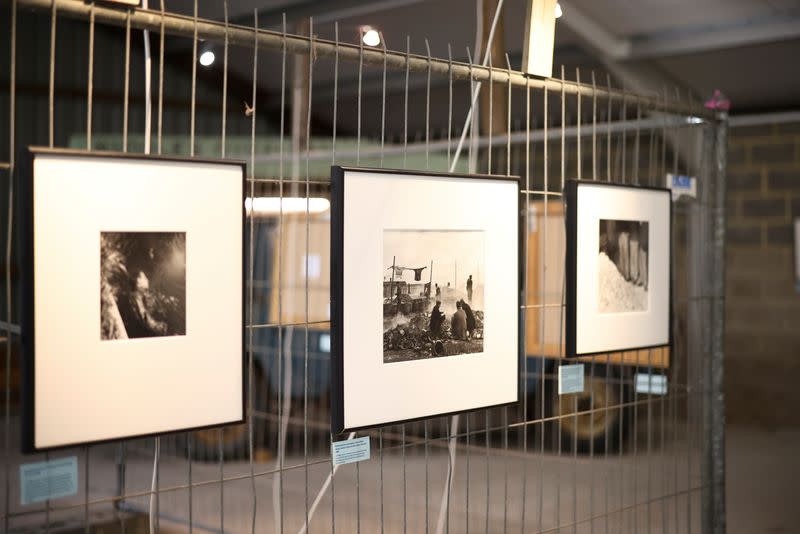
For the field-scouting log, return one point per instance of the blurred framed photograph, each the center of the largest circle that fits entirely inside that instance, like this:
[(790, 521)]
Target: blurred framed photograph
[(425, 302), (132, 319), (618, 267)]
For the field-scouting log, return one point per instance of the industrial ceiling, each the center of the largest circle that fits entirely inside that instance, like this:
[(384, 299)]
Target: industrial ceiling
[(746, 48)]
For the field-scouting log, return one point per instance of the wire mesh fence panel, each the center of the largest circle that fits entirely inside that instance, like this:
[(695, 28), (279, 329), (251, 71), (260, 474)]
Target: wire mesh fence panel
[(618, 457)]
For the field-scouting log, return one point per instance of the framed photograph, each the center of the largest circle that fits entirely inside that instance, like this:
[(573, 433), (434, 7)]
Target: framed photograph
[(425, 302), (132, 320), (618, 267)]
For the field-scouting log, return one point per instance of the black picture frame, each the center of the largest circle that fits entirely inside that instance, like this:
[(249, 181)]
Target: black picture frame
[(338, 210), (25, 183), (572, 209)]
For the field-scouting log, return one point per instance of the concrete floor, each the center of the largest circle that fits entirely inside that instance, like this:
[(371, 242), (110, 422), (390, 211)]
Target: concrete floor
[(763, 469), (582, 495)]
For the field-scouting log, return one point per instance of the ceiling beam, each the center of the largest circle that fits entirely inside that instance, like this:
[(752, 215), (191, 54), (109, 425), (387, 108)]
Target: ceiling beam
[(595, 35), (715, 38), (687, 41)]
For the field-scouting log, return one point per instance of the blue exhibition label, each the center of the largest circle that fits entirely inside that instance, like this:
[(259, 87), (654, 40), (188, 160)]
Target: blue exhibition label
[(350, 450), (681, 181), (41, 481), (651, 384), (570, 379), (682, 185)]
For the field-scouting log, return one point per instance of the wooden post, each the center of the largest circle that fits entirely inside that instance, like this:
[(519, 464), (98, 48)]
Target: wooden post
[(499, 92)]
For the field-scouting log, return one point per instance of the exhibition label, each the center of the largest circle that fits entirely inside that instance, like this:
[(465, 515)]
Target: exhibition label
[(570, 379), (652, 384), (41, 481), (682, 186), (350, 450)]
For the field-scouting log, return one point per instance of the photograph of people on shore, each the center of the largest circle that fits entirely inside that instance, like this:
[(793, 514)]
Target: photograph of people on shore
[(142, 284), (622, 266), (433, 288)]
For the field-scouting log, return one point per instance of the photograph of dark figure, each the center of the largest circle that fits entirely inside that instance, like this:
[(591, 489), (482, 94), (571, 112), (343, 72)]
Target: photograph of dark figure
[(622, 266), (470, 318), (142, 284), (437, 318), (416, 324), (459, 326)]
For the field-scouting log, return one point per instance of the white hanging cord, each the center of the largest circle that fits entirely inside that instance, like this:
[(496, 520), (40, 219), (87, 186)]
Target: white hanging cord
[(156, 452), (147, 82), (472, 150), (147, 129), (321, 493), (286, 351), (451, 468), (468, 121)]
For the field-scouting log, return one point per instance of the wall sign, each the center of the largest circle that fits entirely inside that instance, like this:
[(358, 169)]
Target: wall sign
[(133, 319), (425, 294)]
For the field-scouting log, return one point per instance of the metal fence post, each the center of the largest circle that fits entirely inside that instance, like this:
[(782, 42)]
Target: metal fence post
[(716, 519)]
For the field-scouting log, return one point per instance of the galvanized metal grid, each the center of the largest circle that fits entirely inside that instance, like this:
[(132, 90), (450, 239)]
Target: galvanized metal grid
[(501, 470)]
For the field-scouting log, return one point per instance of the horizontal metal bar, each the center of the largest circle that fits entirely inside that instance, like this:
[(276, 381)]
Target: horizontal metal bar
[(756, 119), (411, 442), (173, 24), (498, 140), (622, 509)]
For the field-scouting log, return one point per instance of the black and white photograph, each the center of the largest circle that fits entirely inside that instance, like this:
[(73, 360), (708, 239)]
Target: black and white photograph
[(618, 267), (134, 275), (425, 294), (433, 302), (622, 266), (142, 284)]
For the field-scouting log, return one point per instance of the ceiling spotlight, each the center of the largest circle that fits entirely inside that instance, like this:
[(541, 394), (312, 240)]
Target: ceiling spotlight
[(558, 10), (370, 36), (207, 57)]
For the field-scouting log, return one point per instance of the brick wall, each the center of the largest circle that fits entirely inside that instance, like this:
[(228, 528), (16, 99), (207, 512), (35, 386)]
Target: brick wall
[(762, 382)]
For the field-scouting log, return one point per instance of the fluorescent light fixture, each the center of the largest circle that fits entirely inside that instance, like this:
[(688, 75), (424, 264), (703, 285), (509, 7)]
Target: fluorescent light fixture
[(370, 36), (207, 58), (694, 120), (559, 12), (289, 205)]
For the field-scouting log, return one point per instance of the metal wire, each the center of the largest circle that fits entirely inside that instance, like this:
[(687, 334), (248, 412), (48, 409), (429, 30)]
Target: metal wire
[(12, 88), (250, 271)]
